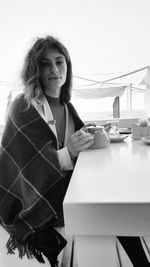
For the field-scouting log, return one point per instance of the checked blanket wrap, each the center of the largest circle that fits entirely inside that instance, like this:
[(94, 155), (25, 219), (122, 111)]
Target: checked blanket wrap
[(31, 184)]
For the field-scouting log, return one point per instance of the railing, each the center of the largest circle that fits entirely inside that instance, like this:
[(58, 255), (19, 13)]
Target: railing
[(8, 90)]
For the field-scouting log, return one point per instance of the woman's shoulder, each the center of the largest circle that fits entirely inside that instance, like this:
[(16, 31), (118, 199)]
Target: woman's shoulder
[(72, 108), (19, 102), (75, 115), (18, 105)]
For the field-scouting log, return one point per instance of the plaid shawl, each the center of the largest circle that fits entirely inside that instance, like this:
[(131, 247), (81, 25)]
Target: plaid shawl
[(31, 183)]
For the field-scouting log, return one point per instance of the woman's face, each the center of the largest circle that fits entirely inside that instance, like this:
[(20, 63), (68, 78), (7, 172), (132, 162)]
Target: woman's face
[(53, 72)]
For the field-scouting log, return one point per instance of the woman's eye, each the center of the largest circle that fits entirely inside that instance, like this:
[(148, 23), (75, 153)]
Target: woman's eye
[(45, 64), (59, 62)]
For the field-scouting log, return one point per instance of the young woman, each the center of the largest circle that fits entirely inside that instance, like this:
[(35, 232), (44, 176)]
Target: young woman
[(41, 142)]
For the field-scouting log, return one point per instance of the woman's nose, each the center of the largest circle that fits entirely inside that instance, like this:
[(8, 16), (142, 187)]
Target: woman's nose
[(54, 69)]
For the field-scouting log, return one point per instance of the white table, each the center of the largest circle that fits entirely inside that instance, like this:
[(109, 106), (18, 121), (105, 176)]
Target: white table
[(109, 195)]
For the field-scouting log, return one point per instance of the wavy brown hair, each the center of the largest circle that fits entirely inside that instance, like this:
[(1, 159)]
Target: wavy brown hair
[(31, 73)]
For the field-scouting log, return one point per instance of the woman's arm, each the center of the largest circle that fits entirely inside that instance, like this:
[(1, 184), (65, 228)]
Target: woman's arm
[(65, 161), (79, 141)]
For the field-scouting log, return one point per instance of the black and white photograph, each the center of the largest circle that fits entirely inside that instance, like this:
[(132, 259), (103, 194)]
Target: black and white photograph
[(75, 133)]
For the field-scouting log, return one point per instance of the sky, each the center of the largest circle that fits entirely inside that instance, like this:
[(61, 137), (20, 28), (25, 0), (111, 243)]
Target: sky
[(105, 38)]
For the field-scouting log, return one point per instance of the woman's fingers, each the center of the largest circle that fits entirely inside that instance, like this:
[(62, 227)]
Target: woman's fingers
[(89, 124), (84, 140), (81, 134), (86, 145), (79, 141)]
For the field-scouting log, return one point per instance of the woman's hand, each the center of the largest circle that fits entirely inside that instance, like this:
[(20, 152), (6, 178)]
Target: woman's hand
[(85, 127), (79, 141)]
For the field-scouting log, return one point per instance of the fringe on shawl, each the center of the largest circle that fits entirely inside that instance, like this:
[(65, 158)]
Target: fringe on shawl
[(48, 243)]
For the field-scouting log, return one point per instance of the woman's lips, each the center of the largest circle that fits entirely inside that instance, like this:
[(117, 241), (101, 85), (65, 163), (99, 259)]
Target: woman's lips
[(54, 78)]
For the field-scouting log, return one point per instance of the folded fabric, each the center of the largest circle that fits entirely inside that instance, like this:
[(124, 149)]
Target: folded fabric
[(31, 182)]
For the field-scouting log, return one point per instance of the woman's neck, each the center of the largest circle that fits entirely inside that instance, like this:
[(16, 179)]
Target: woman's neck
[(54, 94), (52, 99)]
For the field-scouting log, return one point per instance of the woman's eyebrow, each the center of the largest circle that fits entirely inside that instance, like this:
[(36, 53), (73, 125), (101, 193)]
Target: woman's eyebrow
[(44, 58), (58, 57)]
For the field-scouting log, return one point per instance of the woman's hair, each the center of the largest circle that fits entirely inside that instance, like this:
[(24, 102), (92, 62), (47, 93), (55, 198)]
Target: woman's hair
[(31, 73)]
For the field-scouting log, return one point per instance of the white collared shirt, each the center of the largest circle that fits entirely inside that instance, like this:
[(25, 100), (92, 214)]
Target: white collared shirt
[(43, 108)]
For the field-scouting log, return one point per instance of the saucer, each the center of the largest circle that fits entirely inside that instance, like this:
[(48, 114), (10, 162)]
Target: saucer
[(125, 130), (147, 140), (117, 138)]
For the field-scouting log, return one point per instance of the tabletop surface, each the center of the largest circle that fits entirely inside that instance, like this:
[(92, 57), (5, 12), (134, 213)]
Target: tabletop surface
[(119, 173)]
